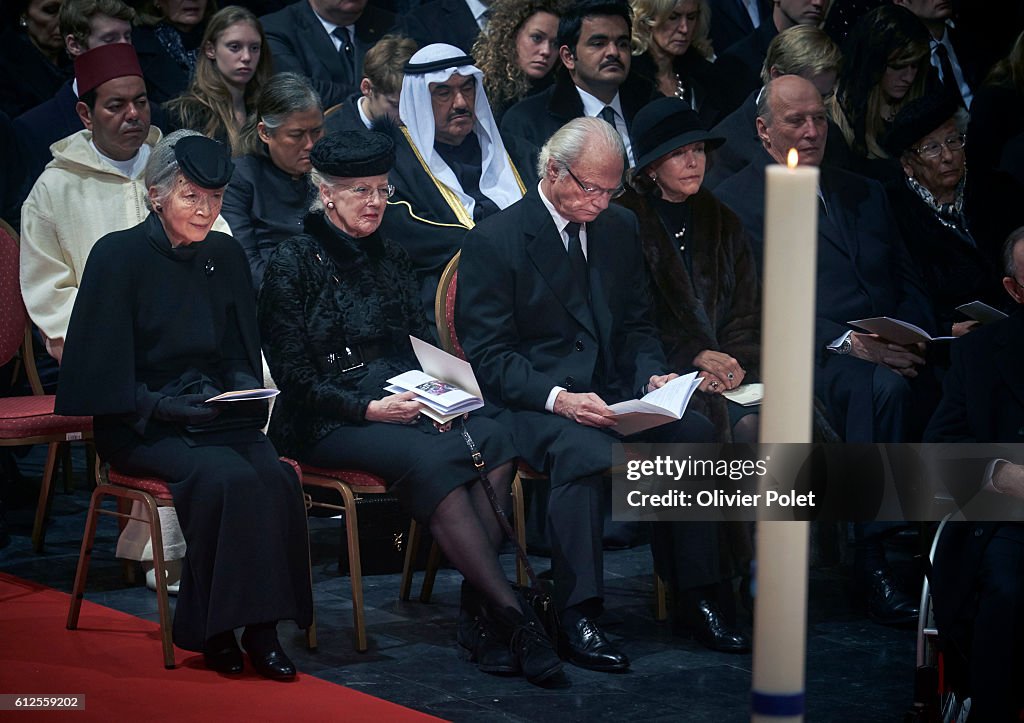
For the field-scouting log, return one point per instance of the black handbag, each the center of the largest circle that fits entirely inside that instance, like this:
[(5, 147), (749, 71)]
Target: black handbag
[(383, 537), (534, 594)]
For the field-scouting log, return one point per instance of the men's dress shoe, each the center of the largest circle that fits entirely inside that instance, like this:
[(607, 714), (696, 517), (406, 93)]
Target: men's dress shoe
[(584, 644), (886, 604), (270, 662), (223, 655), (712, 632)]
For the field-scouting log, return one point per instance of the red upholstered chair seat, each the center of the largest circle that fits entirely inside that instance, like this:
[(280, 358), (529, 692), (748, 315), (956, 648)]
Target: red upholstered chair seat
[(359, 480), (22, 417), (153, 485)]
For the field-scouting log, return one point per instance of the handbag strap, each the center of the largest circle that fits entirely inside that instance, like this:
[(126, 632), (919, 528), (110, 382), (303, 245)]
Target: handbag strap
[(478, 463)]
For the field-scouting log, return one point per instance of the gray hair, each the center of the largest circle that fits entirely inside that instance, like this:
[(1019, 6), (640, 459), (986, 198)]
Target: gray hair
[(578, 137), (282, 95), (162, 167), (1009, 265), (317, 179), (764, 103)]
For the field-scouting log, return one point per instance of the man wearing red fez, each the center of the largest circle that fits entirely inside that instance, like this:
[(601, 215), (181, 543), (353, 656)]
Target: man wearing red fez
[(92, 187)]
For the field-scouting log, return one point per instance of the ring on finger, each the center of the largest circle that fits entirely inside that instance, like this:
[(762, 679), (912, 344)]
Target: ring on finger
[(731, 376)]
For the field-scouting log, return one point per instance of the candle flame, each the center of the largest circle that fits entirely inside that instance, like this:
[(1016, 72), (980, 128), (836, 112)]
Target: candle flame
[(793, 158)]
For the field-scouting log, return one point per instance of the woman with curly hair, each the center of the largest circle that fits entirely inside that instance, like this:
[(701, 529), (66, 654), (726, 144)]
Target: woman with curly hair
[(518, 51), (885, 66), (233, 65), (672, 53)]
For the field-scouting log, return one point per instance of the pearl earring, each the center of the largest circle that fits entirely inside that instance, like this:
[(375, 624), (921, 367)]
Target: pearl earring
[(330, 205), (654, 178)]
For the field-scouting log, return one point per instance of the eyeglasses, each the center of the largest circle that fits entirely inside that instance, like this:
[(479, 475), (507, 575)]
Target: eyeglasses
[(594, 190), (364, 193), (931, 151)]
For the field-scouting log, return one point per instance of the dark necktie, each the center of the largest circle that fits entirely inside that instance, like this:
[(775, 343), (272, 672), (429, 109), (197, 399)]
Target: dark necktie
[(347, 51), (948, 78), (577, 261), (608, 114)]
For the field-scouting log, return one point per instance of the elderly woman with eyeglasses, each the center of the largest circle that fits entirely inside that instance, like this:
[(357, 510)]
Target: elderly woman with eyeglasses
[(927, 137), (165, 320), (337, 307)]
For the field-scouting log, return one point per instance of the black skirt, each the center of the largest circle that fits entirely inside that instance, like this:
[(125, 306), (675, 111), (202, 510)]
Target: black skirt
[(420, 465)]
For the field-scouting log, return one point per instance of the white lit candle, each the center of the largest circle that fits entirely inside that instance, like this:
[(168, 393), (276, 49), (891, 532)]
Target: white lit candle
[(787, 370)]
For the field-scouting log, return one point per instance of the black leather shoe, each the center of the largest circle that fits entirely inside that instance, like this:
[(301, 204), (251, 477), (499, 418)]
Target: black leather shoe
[(269, 661), (528, 644), (221, 654), (886, 604), (713, 633), (487, 647), (585, 645)]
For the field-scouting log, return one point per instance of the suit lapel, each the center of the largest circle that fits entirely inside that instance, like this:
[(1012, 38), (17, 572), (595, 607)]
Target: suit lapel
[(545, 249), (320, 42), (1011, 341)]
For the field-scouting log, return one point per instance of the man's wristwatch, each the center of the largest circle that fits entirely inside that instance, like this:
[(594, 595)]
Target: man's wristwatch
[(846, 347)]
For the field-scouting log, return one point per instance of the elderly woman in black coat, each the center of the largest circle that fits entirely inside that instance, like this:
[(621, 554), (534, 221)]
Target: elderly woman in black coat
[(165, 320), (706, 290), (928, 138), (337, 307), (707, 309)]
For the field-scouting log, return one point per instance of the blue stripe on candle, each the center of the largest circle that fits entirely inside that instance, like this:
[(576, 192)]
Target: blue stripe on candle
[(779, 705)]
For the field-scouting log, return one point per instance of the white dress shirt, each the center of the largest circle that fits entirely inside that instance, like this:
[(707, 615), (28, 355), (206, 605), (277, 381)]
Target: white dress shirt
[(592, 107)]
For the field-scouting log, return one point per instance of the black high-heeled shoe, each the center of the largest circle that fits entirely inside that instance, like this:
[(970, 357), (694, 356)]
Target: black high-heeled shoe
[(266, 654)]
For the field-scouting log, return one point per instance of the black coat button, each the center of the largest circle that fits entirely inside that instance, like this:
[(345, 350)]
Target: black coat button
[(579, 345), (569, 382)]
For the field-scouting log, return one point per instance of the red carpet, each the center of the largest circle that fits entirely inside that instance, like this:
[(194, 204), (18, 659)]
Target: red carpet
[(115, 660)]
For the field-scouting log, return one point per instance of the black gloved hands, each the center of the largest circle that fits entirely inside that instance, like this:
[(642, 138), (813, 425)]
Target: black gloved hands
[(186, 409)]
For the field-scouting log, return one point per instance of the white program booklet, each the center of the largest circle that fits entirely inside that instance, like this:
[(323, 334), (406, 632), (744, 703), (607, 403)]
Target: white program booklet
[(746, 395), (661, 406), (447, 386), (896, 331), (244, 395)]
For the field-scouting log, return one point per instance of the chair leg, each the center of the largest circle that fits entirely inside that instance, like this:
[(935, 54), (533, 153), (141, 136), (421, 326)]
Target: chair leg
[(90, 464), (355, 568), (84, 558), (412, 551), (45, 488), (311, 641), (660, 599), (433, 562), (67, 468), (161, 581), (519, 509)]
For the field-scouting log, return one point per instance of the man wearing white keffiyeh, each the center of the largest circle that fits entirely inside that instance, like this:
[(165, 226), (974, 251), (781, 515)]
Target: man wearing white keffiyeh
[(452, 167)]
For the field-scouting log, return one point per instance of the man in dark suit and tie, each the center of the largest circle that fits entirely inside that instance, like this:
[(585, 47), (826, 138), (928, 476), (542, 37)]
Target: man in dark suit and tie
[(874, 391), (594, 40), (326, 40), (454, 22), (956, 71), (978, 578), (733, 20), (553, 311)]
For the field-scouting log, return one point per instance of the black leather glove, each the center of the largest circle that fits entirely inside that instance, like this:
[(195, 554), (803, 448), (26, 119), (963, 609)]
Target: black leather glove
[(187, 409)]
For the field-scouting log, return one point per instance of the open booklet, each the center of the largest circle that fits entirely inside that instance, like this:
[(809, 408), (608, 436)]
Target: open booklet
[(244, 395), (896, 331), (746, 395), (446, 388), (661, 406), (981, 312)]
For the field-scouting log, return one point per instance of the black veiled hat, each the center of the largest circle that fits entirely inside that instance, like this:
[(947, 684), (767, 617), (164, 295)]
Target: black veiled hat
[(348, 154), (665, 124), (917, 119), (204, 161)]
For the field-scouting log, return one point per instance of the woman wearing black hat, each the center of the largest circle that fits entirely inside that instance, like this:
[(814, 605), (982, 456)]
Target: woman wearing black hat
[(164, 320), (928, 138), (706, 290), (336, 308), (707, 308)]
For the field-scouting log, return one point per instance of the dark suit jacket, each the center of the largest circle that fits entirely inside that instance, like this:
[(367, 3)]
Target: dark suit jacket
[(864, 269), (537, 117), (165, 79), (730, 22), (525, 327), (741, 64), (441, 21), (300, 44), (345, 117)]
